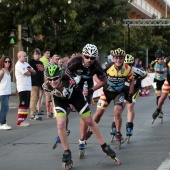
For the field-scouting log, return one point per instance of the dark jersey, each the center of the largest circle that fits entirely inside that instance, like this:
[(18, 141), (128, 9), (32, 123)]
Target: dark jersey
[(75, 67), (38, 78)]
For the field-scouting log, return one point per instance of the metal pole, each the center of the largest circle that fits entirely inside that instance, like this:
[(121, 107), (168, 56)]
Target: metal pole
[(27, 49), (146, 58), (13, 63), (128, 39)]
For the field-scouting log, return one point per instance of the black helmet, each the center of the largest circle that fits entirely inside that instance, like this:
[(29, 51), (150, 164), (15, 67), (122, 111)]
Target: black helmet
[(159, 54), (53, 70)]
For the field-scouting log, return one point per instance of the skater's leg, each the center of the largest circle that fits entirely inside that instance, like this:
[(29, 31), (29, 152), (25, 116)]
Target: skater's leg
[(162, 99), (118, 117), (61, 126), (131, 113), (94, 128), (98, 114), (83, 130)]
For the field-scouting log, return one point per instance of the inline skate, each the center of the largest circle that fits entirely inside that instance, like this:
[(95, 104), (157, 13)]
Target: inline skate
[(57, 140), (129, 129), (82, 147), (109, 152), (158, 113), (113, 131), (88, 134), (67, 162), (119, 139)]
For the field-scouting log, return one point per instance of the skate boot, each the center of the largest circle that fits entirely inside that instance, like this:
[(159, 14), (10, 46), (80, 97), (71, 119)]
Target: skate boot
[(57, 140), (156, 114), (119, 138), (88, 134), (109, 152), (161, 116), (67, 162), (82, 147), (129, 129), (113, 131)]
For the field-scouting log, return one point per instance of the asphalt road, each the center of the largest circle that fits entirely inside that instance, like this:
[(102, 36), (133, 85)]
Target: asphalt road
[(30, 148)]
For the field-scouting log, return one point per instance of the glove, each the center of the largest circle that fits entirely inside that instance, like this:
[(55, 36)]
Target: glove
[(90, 92), (129, 98)]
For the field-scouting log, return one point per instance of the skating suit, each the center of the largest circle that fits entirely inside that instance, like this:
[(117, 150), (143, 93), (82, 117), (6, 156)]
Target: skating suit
[(166, 85), (115, 85), (160, 75), (138, 74), (76, 67), (71, 94)]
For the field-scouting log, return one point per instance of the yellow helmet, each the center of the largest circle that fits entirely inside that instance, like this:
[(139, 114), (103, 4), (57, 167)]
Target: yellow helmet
[(119, 52), (129, 59)]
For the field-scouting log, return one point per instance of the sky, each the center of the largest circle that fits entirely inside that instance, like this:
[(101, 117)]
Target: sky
[(168, 1)]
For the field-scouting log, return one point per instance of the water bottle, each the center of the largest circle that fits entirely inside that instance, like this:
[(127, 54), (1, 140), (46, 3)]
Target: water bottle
[(85, 86)]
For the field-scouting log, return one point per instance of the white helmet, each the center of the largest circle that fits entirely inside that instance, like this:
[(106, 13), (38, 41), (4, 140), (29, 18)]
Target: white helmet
[(90, 50)]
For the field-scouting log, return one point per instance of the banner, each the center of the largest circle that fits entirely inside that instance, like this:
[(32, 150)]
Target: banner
[(148, 81)]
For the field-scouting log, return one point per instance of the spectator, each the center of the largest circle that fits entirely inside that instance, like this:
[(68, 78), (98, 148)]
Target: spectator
[(110, 57), (45, 60), (37, 81), (5, 90), (23, 73)]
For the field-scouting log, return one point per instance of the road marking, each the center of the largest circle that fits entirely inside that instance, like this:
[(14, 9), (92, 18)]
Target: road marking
[(165, 165)]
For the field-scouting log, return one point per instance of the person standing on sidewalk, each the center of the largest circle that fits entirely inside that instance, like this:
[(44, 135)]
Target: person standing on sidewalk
[(37, 81), (23, 73), (45, 59), (5, 90)]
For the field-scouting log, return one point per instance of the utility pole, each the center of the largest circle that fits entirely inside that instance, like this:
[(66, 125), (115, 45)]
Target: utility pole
[(19, 37)]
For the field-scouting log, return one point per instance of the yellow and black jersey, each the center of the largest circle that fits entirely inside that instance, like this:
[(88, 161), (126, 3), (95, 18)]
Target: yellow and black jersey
[(116, 78)]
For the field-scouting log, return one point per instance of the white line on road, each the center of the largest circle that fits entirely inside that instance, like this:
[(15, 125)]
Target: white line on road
[(165, 165)]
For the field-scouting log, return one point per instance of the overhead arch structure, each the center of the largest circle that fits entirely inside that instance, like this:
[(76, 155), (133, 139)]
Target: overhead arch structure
[(144, 22)]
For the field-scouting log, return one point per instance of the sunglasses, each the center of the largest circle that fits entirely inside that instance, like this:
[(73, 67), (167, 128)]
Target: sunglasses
[(53, 79), (7, 61), (91, 58)]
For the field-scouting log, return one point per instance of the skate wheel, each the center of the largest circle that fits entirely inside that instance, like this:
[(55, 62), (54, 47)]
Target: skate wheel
[(112, 137), (54, 146), (153, 121), (119, 144), (81, 154), (67, 165), (117, 160), (128, 139)]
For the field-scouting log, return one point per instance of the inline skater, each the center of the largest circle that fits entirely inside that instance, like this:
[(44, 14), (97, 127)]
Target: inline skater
[(160, 70), (117, 73), (165, 91), (65, 91), (138, 74), (86, 67)]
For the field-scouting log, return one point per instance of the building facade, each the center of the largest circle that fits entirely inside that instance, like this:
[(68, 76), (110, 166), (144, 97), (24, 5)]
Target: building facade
[(146, 9)]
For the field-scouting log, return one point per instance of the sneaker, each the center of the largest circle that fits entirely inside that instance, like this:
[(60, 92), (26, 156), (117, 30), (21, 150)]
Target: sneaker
[(5, 127), (40, 113), (36, 117), (24, 124)]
